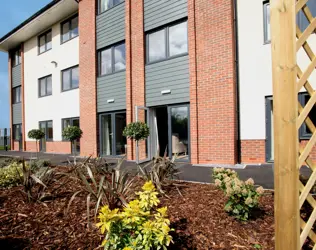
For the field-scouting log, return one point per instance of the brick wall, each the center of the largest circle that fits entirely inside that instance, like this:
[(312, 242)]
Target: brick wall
[(135, 63), (16, 146), (87, 68), (212, 82), (23, 102), (253, 151), (10, 99), (30, 146), (61, 147)]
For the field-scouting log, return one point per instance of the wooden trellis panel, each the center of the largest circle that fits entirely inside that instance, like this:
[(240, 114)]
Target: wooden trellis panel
[(291, 194)]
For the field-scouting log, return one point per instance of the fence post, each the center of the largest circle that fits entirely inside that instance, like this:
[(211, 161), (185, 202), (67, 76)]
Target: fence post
[(286, 174), (5, 139)]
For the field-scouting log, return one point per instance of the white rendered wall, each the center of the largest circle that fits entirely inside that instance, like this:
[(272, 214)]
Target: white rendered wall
[(60, 104), (256, 68)]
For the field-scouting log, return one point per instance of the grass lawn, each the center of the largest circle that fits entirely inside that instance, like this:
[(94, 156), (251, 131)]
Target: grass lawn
[(3, 147)]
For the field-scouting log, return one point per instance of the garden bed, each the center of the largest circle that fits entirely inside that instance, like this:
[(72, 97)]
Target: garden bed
[(197, 217)]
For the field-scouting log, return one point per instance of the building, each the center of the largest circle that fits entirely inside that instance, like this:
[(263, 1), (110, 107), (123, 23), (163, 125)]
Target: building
[(198, 72)]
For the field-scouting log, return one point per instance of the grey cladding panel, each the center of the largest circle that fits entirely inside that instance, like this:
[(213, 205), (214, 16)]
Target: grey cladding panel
[(111, 26), (16, 76), (111, 87), (161, 12), (170, 75), (17, 113)]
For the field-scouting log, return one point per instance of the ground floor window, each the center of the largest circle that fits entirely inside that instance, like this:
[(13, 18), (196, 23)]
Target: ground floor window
[(17, 132), (112, 141), (47, 128), (69, 122)]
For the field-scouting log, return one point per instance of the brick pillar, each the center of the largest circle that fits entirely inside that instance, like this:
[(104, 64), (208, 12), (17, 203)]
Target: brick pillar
[(212, 82), (87, 69), (135, 63), (23, 100), (10, 99)]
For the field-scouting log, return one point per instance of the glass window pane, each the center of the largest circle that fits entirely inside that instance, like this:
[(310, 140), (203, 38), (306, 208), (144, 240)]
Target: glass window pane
[(66, 79), (267, 34), (178, 39), (65, 32), (75, 122), (49, 85), (42, 87), (48, 40), (104, 5), (74, 27), (106, 62), (120, 124), (157, 46), (66, 123), (75, 77), (301, 18), (42, 44), (116, 2), (106, 130), (120, 55), (179, 130), (49, 130)]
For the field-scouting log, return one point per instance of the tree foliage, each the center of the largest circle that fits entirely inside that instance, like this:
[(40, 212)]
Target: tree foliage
[(72, 133), (137, 131), (36, 134)]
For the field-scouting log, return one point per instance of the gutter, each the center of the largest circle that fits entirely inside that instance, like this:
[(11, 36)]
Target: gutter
[(238, 141)]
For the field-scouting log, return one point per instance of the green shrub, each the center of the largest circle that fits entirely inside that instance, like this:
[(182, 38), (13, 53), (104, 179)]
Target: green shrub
[(140, 225), (137, 131), (72, 133), (9, 176), (38, 164), (242, 196)]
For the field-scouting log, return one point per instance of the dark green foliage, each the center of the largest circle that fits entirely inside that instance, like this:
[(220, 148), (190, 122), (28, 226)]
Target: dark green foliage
[(36, 134), (72, 133), (137, 131)]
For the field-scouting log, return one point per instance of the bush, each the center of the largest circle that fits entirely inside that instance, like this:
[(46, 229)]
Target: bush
[(243, 197), (137, 131), (72, 133), (36, 134), (9, 176), (140, 225), (38, 164)]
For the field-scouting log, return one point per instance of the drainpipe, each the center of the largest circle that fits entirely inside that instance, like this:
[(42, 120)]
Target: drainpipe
[(238, 141)]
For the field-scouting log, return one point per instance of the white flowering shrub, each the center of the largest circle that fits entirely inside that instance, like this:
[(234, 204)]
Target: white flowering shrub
[(242, 196)]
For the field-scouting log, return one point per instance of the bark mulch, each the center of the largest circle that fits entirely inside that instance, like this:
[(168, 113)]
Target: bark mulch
[(197, 217)]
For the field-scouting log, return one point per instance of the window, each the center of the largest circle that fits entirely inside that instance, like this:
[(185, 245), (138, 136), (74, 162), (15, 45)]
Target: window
[(266, 15), (16, 57), (45, 42), (17, 132), (70, 122), (16, 95), (47, 128), (70, 78), (305, 133), (112, 59), (69, 29), (302, 21), (108, 4), (45, 86), (168, 42)]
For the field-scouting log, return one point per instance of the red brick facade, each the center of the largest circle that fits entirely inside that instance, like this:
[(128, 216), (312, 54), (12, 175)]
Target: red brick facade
[(253, 151), (30, 146), (88, 67), (212, 82), (63, 147), (23, 100), (15, 146)]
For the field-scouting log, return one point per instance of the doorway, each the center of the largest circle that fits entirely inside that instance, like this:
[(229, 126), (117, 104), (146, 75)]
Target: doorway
[(162, 125)]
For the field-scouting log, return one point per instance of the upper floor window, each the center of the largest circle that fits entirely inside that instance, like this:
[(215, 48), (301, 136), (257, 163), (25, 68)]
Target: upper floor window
[(16, 57), (69, 29), (168, 42), (108, 4), (112, 59), (45, 86), (16, 95), (70, 78), (45, 42), (266, 14)]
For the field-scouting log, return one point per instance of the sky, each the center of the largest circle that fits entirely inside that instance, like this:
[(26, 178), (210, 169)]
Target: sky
[(12, 13)]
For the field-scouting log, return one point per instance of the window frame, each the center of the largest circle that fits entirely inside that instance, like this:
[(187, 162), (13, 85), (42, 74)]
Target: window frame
[(46, 129), (112, 48), (62, 78), (265, 22), (14, 95), (99, 6), (39, 86), (14, 131), (68, 20), (167, 47), (303, 135), (13, 56), (71, 122), (39, 38)]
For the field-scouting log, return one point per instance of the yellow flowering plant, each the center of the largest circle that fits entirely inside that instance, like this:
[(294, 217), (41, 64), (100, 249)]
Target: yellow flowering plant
[(242, 196), (11, 175), (139, 225)]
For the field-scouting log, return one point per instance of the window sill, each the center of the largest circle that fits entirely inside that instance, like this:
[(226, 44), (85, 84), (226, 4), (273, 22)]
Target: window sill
[(100, 76), (68, 89), (40, 53), (100, 13), (44, 96), (266, 42), (16, 65), (63, 42), (16, 103), (167, 59)]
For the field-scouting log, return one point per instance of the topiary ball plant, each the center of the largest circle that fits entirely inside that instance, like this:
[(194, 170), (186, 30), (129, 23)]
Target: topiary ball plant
[(72, 133), (137, 131), (37, 135)]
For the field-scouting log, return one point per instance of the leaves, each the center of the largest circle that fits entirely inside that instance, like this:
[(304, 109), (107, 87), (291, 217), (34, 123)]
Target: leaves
[(72, 133), (36, 134), (137, 131)]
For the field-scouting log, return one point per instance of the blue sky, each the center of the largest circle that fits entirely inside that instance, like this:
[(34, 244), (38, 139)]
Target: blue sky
[(12, 13)]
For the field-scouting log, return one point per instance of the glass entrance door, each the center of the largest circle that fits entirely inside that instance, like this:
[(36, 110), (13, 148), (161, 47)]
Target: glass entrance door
[(112, 141)]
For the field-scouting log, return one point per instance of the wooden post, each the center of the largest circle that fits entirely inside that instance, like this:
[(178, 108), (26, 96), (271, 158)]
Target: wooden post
[(286, 174)]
